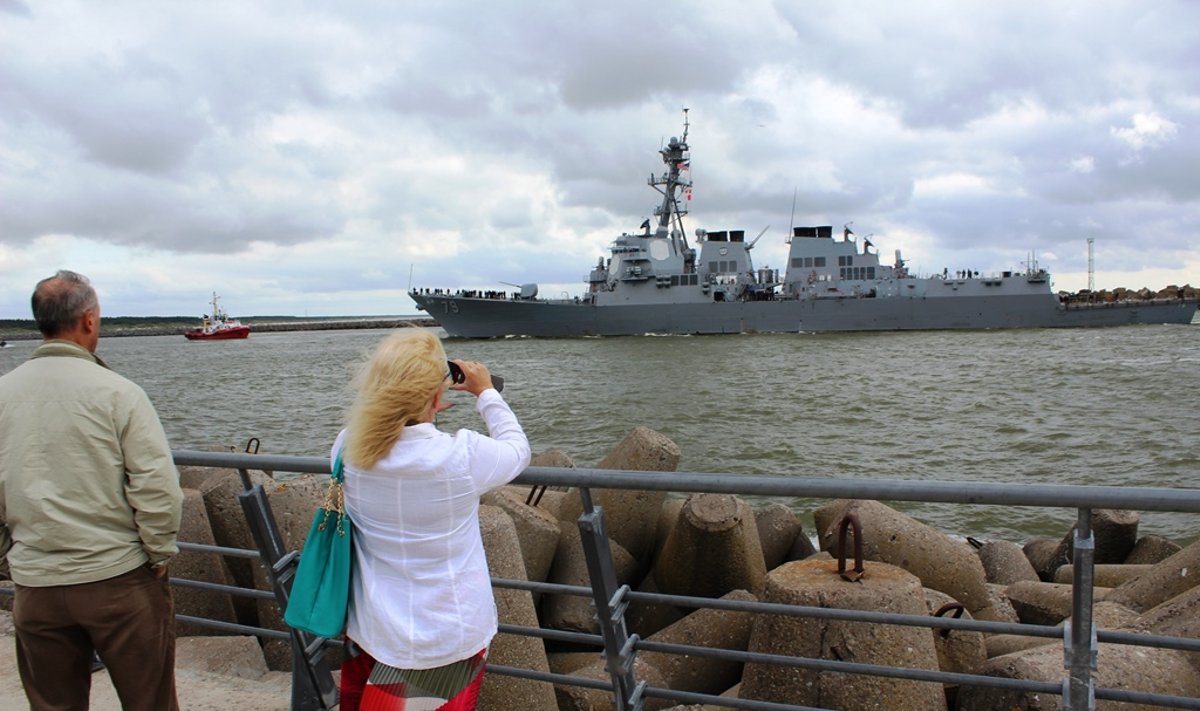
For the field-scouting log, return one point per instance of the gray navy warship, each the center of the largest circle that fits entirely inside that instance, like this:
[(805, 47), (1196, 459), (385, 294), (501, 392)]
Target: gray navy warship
[(654, 282)]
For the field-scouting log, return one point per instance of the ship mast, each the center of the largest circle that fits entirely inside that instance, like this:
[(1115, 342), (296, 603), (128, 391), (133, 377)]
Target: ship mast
[(670, 213)]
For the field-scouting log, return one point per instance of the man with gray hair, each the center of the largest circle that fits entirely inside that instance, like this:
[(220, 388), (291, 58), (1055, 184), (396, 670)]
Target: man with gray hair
[(90, 508)]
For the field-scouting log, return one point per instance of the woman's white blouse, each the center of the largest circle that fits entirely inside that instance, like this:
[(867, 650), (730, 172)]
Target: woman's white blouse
[(421, 596)]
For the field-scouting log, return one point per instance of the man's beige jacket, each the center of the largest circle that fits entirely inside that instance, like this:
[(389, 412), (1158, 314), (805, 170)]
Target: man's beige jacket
[(88, 488)]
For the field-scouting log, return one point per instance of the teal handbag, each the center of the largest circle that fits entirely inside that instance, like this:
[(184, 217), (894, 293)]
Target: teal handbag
[(321, 590)]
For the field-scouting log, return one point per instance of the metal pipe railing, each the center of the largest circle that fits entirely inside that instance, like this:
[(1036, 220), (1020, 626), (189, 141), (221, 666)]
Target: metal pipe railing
[(1080, 639), (1070, 496)]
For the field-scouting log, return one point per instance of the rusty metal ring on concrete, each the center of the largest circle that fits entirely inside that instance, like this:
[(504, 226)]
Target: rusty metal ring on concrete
[(252, 442), (850, 519), (958, 613)]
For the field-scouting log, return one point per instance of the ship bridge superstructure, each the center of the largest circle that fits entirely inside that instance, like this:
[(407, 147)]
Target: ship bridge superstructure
[(817, 262)]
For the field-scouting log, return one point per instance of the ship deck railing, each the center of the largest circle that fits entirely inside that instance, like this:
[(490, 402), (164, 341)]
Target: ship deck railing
[(312, 682)]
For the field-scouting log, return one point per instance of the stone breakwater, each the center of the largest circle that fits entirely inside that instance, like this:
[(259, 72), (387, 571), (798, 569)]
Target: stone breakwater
[(1120, 293), (30, 333), (717, 546)]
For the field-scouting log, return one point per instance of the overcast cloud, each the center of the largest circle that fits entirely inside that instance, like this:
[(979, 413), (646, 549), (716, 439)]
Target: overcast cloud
[(307, 158)]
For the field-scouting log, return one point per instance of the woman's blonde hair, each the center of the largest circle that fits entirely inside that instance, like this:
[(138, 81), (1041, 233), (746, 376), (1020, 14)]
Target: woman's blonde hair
[(394, 388)]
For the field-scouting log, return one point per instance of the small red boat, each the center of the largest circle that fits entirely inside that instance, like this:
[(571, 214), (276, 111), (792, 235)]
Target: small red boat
[(218, 327)]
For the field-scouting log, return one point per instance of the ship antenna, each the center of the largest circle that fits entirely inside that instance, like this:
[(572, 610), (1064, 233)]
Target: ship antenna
[(756, 239), (686, 124), (792, 220)]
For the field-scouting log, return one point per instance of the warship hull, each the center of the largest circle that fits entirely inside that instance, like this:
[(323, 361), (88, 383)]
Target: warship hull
[(472, 317), (654, 281)]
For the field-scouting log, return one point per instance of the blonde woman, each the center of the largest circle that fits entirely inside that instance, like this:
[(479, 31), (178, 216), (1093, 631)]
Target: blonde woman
[(421, 606)]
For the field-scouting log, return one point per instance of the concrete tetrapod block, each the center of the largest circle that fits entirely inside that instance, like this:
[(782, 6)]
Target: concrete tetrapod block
[(205, 567), (1105, 615), (537, 531), (828, 518), (713, 549), (1000, 608), (294, 503), (1045, 603), (1174, 576), (941, 562), (1005, 563), (1110, 615), (961, 651), (1152, 549), (667, 518), (578, 698), (514, 607), (191, 477), (816, 583), (1159, 671), (1046, 556), (802, 547), (1114, 534), (572, 612), (631, 515), (778, 527), (646, 618), (1105, 575), (1177, 617), (549, 501), (1000, 644), (230, 529), (569, 662), (720, 629), (549, 498), (730, 693), (552, 458)]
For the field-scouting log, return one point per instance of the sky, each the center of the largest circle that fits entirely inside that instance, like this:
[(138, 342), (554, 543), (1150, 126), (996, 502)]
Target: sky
[(318, 159)]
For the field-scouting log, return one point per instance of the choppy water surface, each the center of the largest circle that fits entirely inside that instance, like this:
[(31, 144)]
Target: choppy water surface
[(1089, 406)]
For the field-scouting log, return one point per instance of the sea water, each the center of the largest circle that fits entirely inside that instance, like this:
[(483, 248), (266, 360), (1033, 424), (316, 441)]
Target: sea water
[(1114, 406)]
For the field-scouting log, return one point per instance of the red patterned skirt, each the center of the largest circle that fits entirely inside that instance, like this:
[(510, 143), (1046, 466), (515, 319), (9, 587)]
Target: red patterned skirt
[(368, 685)]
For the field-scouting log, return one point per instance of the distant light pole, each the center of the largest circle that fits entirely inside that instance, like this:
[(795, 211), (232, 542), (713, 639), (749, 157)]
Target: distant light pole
[(1091, 263)]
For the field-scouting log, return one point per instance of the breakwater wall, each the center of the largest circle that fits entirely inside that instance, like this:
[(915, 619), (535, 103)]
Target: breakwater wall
[(337, 325), (176, 329), (716, 546)]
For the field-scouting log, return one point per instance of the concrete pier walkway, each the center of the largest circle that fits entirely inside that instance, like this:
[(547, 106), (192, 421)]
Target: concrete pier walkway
[(228, 673)]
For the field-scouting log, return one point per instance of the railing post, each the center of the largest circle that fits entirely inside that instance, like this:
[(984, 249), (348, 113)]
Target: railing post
[(312, 681), (610, 606), (1079, 634)]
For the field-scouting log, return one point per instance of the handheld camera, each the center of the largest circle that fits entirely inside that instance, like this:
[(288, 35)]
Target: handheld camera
[(458, 376)]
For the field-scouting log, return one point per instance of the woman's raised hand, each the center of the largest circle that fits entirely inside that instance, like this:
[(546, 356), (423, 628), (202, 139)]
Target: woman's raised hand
[(478, 378)]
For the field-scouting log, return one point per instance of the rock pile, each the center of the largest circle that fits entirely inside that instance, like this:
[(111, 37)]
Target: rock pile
[(718, 546), (1120, 293)]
